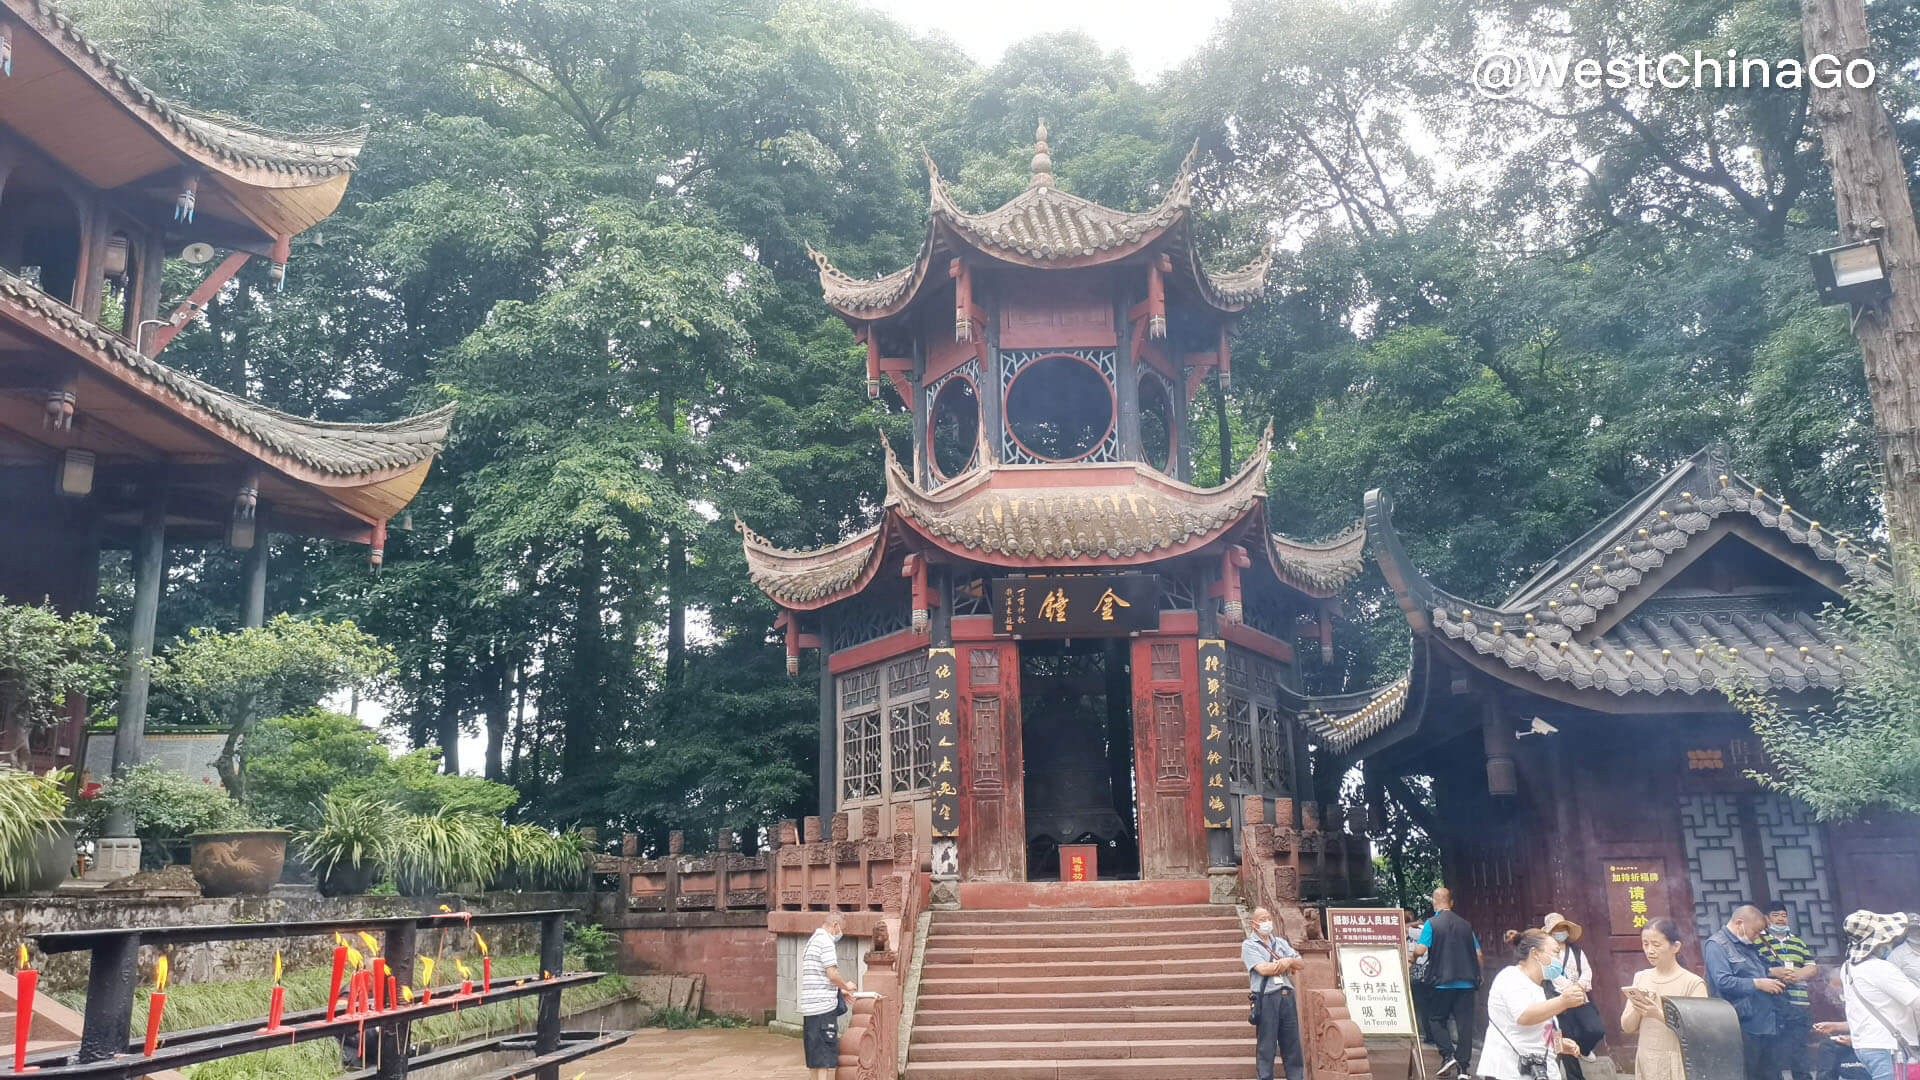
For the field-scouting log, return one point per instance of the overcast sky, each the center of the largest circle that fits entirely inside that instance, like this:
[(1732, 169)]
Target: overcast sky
[(1155, 35)]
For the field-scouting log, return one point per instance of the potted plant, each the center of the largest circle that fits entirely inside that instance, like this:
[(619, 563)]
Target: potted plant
[(447, 850), (354, 843), (36, 837), (540, 860)]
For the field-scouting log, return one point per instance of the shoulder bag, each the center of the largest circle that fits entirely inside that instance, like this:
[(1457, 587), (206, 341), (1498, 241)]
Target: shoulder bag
[(1254, 996), (1908, 1067)]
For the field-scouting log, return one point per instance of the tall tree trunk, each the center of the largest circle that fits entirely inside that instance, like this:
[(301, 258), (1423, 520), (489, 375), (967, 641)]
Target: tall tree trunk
[(514, 774), (499, 703), (1226, 430), (576, 757), (1870, 194), (676, 555)]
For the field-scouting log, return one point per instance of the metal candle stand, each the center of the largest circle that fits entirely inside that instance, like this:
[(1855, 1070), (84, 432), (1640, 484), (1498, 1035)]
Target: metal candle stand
[(105, 1051)]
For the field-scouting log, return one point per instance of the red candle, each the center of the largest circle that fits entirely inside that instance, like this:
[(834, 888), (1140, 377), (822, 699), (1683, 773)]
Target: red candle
[(339, 971), (466, 988), (486, 974), (156, 1004), (278, 1002), (25, 982), (393, 992), (379, 984)]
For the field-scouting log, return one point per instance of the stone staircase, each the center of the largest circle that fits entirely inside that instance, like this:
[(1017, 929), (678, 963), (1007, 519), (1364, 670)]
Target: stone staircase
[(1088, 993)]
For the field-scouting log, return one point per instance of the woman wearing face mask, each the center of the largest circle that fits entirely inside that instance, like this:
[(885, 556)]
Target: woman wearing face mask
[(1583, 1024), (1523, 1040), (1658, 1057)]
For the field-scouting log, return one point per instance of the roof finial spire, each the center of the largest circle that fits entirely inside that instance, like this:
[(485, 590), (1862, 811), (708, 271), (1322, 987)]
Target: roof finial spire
[(1042, 161)]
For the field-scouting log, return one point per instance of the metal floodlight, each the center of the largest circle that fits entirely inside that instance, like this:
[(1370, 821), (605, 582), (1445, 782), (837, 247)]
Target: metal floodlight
[(74, 478), (1853, 274)]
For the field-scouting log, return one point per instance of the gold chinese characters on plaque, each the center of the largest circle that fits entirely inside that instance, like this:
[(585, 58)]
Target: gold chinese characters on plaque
[(1636, 893), (944, 683), (1217, 810)]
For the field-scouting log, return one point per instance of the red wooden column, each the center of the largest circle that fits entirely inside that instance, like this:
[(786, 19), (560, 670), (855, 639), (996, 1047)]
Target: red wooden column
[(1167, 765), (993, 802)]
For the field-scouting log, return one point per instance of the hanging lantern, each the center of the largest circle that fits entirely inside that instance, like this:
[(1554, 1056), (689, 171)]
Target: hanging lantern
[(183, 203), (919, 620), (873, 388), (1234, 612), (74, 478)]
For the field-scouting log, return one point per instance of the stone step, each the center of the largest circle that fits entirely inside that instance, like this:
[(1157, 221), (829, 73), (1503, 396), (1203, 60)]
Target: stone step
[(976, 999), (1216, 1068), (1091, 923), (1074, 914), (1080, 1018), (1118, 939), (1081, 984), (1083, 1050), (1093, 964), (1219, 1031)]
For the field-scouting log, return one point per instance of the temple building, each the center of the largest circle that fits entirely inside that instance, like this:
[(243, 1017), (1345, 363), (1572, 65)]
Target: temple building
[(102, 446), (1582, 753), (1051, 637)]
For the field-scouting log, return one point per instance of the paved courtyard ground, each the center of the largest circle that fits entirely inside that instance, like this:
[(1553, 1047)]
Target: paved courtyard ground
[(703, 1053)]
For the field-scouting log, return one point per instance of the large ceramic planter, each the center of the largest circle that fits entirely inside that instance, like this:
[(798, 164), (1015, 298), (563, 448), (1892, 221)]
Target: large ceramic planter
[(345, 880), (52, 858), (246, 862)]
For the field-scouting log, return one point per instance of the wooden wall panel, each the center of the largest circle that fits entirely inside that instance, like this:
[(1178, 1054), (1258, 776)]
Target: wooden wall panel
[(993, 819), (1166, 740)]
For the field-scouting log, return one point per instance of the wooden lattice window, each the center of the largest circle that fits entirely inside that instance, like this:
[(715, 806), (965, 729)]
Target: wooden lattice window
[(910, 736), (1239, 742), (988, 735), (859, 689), (1166, 663), (906, 676), (1276, 760), (860, 756), (985, 665), (1170, 737)]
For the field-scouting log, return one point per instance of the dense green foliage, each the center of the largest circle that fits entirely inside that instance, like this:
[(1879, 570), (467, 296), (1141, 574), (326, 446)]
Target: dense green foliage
[(31, 806), (585, 223), (163, 805), (45, 660)]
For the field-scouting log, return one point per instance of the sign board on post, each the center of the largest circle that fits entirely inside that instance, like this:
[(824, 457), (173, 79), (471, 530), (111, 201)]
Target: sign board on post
[(1079, 862), (1370, 946)]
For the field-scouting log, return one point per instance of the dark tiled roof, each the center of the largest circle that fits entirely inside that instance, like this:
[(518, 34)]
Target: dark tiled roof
[(319, 155), (1325, 566), (1045, 224), (335, 449), (1341, 723), (797, 578)]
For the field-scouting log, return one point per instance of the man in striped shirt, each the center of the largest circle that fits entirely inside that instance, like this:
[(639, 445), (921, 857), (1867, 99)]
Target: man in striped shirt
[(1789, 960), (820, 986)]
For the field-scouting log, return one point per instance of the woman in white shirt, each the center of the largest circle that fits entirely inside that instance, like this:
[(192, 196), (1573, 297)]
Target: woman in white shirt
[(1522, 1036), (1883, 1005)]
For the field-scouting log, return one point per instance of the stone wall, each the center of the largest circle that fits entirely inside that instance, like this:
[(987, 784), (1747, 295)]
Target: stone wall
[(732, 949), (220, 961)]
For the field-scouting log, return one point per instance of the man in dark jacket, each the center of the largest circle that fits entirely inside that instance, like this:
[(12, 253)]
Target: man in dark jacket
[(1452, 952), (1738, 974)]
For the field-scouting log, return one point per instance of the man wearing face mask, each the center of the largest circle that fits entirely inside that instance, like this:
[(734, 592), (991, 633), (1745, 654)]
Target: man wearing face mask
[(1269, 959), (1789, 960), (1738, 974)]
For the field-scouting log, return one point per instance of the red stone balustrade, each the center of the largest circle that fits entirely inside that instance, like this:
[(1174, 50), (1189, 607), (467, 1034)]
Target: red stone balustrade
[(1283, 865), (719, 880), (855, 869)]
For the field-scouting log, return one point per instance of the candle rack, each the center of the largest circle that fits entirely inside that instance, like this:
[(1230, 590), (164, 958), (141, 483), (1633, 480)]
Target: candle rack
[(106, 1051)]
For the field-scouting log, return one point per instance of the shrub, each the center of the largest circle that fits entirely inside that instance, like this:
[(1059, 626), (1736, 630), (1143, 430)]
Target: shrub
[(45, 658), (30, 807), (537, 859), (443, 851), (354, 831), (295, 761), (163, 804), (591, 947)]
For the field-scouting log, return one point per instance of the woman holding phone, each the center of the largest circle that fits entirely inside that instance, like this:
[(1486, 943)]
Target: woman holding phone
[(1658, 1057)]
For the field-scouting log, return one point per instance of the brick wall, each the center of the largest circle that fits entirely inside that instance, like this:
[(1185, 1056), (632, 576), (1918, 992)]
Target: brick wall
[(732, 949)]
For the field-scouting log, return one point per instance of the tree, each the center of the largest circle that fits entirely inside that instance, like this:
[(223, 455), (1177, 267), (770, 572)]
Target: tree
[(237, 679), (47, 659), (1862, 752)]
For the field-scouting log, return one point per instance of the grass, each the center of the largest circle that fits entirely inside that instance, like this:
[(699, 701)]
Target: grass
[(192, 1005)]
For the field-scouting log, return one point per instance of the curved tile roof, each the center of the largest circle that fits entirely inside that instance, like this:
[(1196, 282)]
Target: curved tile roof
[(1341, 723), (1321, 567), (336, 450), (317, 156), (802, 579), (1044, 225)]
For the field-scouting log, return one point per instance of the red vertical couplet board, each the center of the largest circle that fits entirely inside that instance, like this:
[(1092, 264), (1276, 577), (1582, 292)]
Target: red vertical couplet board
[(1215, 811), (992, 814), (943, 681), (1166, 755)]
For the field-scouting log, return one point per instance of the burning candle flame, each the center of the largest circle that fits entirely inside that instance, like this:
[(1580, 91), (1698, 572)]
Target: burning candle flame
[(426, 971), (277, 967), (23, 959), (481, 941), (338, 940), (373, 943), (406, 994), (464, 973), (160, 975), (446, 909), (354, 958)]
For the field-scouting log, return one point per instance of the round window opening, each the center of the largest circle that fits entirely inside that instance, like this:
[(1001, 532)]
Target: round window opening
[(956, 427), (1156, 422), (1059, 408)]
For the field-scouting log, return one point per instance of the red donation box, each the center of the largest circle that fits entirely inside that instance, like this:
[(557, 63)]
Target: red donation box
[(1079, 862)]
